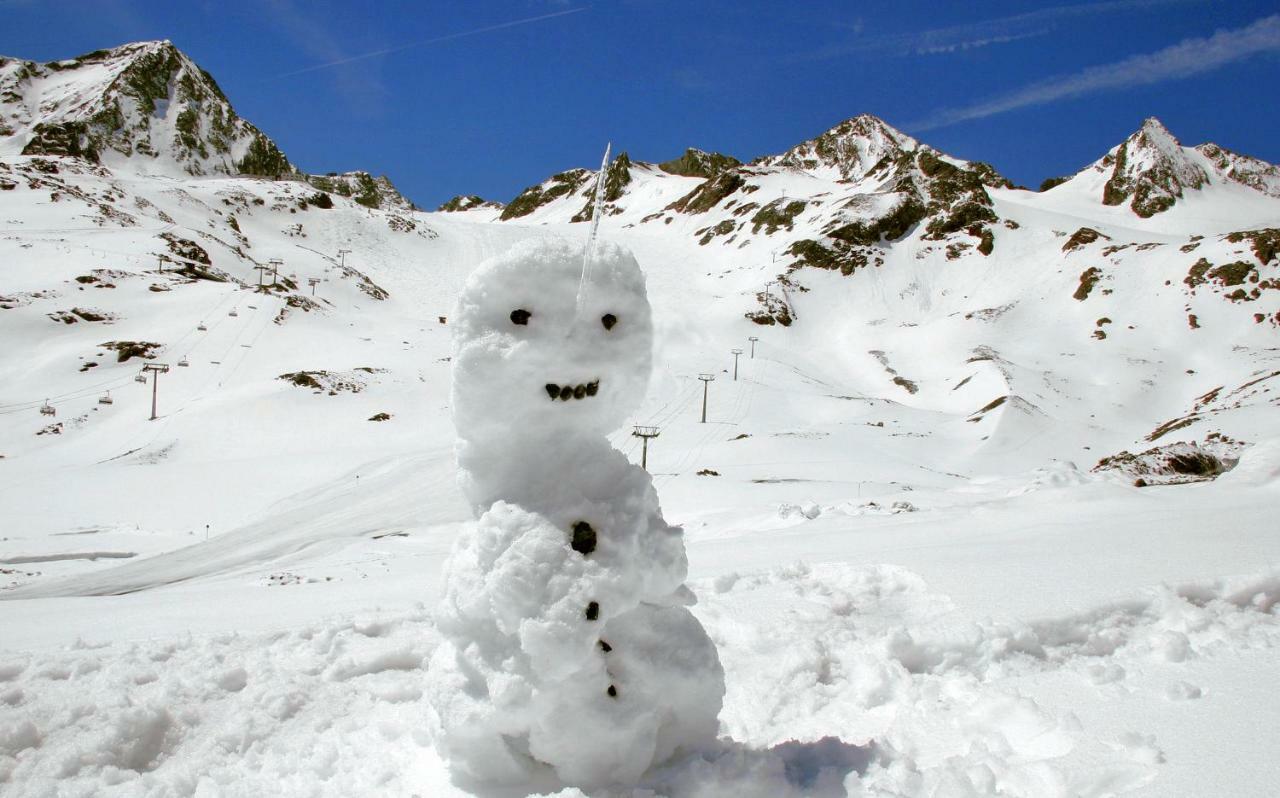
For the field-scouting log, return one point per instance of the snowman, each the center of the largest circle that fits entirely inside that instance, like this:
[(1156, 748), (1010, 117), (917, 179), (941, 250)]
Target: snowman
[(570, 655)]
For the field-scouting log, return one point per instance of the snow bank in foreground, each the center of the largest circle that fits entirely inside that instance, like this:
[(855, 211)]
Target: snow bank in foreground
[(812, 654)]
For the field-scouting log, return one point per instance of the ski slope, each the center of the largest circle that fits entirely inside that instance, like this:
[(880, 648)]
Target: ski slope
[(912, 591)]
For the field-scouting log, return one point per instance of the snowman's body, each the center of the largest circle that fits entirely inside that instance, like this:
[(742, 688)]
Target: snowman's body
[(568, 645)]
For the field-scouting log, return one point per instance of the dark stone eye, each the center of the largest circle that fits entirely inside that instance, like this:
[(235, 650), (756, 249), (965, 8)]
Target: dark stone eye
[(608, 320), (520, 316), (584, 538)]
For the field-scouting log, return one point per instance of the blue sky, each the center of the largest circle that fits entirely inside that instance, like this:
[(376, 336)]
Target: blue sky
[(489, 97)]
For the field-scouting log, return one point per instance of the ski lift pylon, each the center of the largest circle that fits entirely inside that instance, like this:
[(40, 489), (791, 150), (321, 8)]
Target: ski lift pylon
[(47, 409)]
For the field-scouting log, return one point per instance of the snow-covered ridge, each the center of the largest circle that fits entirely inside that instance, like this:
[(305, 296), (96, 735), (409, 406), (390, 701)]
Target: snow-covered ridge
[(1150, 171), (848, 151), (142, 107), (148, 108)]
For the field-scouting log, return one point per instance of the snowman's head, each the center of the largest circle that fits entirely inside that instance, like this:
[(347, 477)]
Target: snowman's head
[(528, 360)]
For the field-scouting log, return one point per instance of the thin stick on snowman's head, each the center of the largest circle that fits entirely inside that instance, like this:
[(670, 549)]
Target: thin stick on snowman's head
[(589, 249)]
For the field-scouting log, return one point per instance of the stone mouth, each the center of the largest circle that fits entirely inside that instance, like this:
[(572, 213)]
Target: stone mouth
[(566, 392)]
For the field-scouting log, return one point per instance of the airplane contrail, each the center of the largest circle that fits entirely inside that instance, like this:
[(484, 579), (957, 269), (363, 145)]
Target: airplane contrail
[(436, 40)]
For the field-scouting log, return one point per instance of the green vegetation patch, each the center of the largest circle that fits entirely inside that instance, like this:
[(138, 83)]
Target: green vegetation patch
[(264, 159), (812, 253), (777, 214), (709, 193), (965, 215), (319, 199), (696, 163), (69, 138), (535, 197), (892, 226), (722, 229)]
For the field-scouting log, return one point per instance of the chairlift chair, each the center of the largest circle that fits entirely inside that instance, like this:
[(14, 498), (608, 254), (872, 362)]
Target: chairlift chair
[(183, 362), (142, 378), (202, 328), (47, 409), (105, 399), (233, 312)]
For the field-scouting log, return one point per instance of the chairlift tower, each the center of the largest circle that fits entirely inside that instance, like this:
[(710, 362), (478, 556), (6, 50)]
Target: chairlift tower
[(275, 264), (736, 353), (313, 282), (262, 271), (342, 258), (156, 370), (706, 381), (753, 340), (645, 433)]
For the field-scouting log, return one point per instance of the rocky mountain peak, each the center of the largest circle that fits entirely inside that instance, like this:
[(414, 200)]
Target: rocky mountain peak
[(143, 106), (848, 151), (699, 163), (1150, 170), (1243, 169), (364, 188)]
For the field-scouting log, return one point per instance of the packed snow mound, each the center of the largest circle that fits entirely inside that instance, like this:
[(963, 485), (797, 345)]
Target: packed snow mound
[(1258, 465), (518, 334), (569, 655)]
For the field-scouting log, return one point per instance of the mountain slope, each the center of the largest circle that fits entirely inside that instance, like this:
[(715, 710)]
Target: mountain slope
[(1150, 171), (144, 106), (1020, 496)]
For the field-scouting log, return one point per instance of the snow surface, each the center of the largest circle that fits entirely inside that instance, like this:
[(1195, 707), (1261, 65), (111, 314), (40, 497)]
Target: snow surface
[(911, 593)]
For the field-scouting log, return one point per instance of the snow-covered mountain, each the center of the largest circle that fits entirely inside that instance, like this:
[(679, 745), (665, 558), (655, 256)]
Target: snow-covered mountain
[(148, 108), (1022, 444), (143, 106), (1150, 171)]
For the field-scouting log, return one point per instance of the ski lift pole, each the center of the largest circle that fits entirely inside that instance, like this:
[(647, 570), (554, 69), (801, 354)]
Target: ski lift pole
[(735, 352), (645, 433), (706, 382), (753, 340), (156, 370)]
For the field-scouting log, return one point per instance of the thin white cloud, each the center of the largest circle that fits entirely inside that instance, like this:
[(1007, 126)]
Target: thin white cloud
[(1187, 58), (424, 42), (980, 33), (973, 44), (360, 88)]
